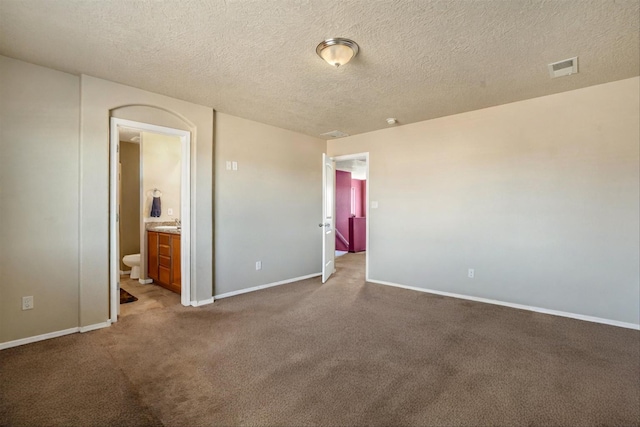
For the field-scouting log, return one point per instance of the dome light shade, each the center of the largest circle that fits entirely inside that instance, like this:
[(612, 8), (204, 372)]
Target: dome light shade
[(337, 51)]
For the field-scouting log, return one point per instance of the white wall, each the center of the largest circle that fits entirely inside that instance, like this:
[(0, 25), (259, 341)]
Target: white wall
[(540, 197), (268, 210), (54, 193), (161, 166), (100, 99), (39, 175)]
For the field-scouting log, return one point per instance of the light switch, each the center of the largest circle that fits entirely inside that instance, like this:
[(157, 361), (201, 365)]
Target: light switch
[(169, 211), (234, 166), (374, 205), (228, 165)]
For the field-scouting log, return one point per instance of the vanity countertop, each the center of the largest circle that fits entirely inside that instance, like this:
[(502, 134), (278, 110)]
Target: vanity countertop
[(163, 227)]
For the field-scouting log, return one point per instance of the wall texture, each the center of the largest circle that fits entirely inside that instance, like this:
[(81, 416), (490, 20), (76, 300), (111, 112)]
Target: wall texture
[(540, 197), (129, 200), (269, 209), (161, 158), (39, 172)]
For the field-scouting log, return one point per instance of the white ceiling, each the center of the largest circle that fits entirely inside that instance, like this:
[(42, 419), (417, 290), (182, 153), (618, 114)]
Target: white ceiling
[(357, 167), (128, 134), (256, 59)]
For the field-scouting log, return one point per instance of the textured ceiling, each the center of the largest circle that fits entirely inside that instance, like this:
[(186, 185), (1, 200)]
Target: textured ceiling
[(256, 59), (358, 168)]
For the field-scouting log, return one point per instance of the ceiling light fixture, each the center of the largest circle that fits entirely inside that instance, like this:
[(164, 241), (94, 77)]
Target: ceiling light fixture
[(337, 51)]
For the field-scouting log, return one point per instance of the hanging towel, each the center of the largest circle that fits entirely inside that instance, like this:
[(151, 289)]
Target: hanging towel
[(155, 207)]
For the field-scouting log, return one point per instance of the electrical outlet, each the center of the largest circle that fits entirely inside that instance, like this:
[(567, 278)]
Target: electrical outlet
[(169, 211), (472, 273), (258, 265), (27, 303)]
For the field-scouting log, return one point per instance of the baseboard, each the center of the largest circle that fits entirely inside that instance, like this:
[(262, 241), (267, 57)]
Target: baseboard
[(56, 334), (268, 285), (122, 272), (201, 303), (95, 326), (145, 281), (29, 340), (513, 305)]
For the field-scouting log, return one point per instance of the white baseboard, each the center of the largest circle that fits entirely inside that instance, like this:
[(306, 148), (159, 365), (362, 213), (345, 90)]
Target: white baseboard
[(95, 326), (29, 340), (513, 305), (145, 281), (56, 334), (268, 285), (201, 303)]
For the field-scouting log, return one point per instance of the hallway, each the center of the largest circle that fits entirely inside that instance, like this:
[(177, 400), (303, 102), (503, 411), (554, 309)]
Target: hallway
[(350, 268)]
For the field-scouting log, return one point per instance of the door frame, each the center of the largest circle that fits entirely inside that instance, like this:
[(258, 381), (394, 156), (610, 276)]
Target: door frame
[(185, 209), (359, 156)]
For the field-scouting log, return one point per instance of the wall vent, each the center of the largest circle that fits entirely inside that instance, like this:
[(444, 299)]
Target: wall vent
[(566, 67), (335, 134)]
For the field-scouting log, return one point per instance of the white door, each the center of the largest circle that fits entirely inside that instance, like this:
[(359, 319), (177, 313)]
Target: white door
[(328, 224)]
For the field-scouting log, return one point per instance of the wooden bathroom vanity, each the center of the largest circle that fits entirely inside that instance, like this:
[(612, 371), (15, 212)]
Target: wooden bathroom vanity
[(163, 260)]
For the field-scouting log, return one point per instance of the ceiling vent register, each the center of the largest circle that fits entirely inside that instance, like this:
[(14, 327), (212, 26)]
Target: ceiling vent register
[(565, 67), (335, 134)]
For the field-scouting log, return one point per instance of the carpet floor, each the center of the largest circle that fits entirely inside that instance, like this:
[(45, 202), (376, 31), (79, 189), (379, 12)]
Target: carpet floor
[(150, 297), (343, 353)]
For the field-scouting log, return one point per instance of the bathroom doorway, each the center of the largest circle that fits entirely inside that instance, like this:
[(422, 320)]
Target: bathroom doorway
[(173, 219), (351, 211)]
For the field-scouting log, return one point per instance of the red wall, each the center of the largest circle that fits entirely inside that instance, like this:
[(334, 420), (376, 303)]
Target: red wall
[(343, 204), (343, 207), (358, 235)]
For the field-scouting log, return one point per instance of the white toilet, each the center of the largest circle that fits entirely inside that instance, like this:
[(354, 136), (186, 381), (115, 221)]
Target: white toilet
[(133, 261)]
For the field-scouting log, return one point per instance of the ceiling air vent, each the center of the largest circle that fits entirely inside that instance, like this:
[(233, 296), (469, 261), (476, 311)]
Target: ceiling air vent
[(334, 134), (564, 68)]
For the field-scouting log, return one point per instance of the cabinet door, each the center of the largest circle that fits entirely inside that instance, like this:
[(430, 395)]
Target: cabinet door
[(152, 252), (176, 276), (165, 274)]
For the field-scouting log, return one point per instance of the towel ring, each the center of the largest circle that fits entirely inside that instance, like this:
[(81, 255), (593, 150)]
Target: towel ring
[(157, 193)]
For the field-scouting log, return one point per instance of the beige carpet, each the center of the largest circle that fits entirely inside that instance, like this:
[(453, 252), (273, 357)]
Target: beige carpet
[(343, 353), (150, 297)]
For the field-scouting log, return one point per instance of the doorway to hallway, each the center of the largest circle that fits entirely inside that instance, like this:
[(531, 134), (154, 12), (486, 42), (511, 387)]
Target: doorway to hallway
[(350, 203)]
